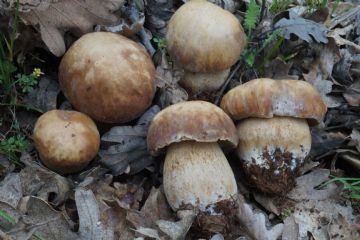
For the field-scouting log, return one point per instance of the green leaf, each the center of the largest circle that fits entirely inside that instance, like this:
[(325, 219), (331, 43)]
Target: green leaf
[(7, 217), (252, 15)]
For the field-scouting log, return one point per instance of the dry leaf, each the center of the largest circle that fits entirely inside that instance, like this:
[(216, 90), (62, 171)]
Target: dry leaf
[(45, 95), (55, 18), (291, 229), (256, 222), (154, 209), (178, 230), (39, 218), (39, 181), (306, 30), (355, 136), (305, 186), (319, 217), (10, 190), (94, 224), (127, 152)]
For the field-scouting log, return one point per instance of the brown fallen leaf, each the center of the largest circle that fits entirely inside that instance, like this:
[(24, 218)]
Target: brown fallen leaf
[(56, 17)]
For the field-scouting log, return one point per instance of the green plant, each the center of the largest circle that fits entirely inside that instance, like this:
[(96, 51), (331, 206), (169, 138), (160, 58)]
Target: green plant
[(160, 44), (28, 82), (11, 146), (286, 212), (251, 17), (279, 6), (313, 5), (351, 188), (7, 67), (7, 217)]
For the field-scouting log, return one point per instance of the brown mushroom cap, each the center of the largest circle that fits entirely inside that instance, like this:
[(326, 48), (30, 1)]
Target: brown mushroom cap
[(265, 98), (66, 140), (108, 77), (193, 120), (203, 37)]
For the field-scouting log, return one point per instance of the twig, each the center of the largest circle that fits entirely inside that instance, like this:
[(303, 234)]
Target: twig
[(262, 9), (21, 106), (224, 86), (133, 14)]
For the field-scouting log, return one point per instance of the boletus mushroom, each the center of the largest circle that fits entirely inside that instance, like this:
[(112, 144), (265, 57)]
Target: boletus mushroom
[(66, 140), (206, 41), (108, 77), (196, 171), (274, 134)]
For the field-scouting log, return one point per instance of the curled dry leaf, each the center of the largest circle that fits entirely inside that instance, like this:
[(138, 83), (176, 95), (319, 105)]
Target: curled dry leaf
[(154, 209), (256, 222), (279, 69), (306, 30), (179, 229), (57, 17), (125, 27), (44, 97), (94, 224), (352, 94), (127, 152), (39, 181)]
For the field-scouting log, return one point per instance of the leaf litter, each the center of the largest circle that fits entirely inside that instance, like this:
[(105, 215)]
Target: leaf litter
[(123, 198)]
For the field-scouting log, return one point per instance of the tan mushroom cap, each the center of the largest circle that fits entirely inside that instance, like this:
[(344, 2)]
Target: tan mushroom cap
[(108, 77), (203, 37), (193, 120), (265, 98), (66, 140)]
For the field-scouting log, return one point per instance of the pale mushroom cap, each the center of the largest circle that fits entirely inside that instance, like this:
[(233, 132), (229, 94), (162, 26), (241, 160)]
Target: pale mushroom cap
[(108, 77), (265, 98), (197, 174), (66, 140), (272, 150), (203, 82), (193, 120), (202, 37)]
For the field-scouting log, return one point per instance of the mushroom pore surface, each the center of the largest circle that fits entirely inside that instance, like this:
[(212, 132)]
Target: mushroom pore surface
[(198, 174), (66, 140), (108, 77), (202, 37), (272, 150)]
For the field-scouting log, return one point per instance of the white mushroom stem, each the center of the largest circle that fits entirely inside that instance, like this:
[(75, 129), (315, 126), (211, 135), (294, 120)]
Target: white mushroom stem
[(198, 174), (203, 82)]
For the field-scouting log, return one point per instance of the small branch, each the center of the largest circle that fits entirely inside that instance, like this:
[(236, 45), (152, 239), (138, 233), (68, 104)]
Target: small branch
[(224, 86), (133, 14), (21, 106)]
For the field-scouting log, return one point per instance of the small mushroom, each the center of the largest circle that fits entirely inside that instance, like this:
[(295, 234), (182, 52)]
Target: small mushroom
[(108, 77), (66, 140), (274, 134), (196, 171), (206, 39)]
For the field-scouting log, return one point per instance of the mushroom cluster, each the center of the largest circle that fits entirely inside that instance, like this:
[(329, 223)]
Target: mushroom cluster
[(105, 76), (196, 171), (206, 41), (274, 134)]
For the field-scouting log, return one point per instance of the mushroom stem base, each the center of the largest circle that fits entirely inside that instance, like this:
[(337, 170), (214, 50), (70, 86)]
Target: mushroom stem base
[(197, 174)]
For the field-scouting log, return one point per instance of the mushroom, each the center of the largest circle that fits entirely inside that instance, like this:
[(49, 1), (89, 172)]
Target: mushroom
[(274, 134), (206, 41), (66, 140), (108, 77), (196, 171)]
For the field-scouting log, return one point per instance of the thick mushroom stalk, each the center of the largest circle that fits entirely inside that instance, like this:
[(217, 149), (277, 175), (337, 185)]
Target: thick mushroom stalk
[(204, 39), (272, 150), (274, 135), (196, 171), (198, 174)]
